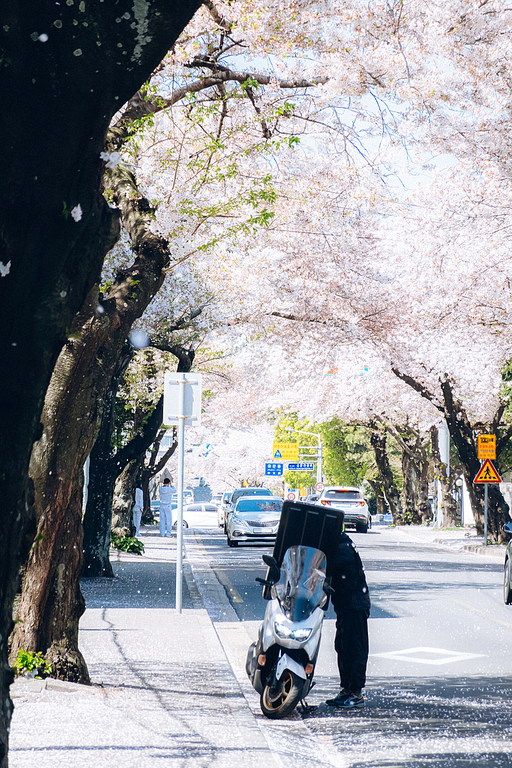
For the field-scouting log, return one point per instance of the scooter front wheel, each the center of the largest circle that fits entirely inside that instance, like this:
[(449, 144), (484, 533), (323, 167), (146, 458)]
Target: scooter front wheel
[(280, 700)]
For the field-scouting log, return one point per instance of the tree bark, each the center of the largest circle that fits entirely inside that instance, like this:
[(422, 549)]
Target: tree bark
[(72, 414), (378, 439), (71, 85), (415, 469), (451, 513)]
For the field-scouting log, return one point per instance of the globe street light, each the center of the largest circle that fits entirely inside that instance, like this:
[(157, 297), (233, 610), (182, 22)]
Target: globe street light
[(319, 454)]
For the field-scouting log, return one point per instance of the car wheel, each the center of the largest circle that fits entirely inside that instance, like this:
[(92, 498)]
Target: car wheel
[(362, 527), (507, 586), (232, 543)]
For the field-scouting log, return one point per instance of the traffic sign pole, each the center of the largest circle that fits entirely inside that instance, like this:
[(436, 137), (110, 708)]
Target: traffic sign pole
[(485, 516)]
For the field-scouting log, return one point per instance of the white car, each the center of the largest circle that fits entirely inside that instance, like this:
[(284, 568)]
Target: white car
[(254, 518), (197, 515), (351, 501), (223, 508)]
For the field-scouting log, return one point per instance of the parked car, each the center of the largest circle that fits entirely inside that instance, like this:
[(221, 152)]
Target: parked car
[(351, 501), (254, 518), (198, 515), (312, 498), (238, 493), (507, 568), (222, 508)]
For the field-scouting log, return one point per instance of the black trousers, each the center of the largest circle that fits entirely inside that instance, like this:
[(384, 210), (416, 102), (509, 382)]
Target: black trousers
[(351, 646)]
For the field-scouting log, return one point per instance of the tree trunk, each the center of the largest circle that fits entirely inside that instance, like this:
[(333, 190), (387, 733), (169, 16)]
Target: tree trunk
[(68, 103), (122, 522), (462, 435), (415, 469), (378, 439), (409, 473), (379, 497), (71, 418), (451, 512), (102, 476)]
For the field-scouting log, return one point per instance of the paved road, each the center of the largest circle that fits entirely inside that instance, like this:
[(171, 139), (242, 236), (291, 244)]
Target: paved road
[(439, 673)]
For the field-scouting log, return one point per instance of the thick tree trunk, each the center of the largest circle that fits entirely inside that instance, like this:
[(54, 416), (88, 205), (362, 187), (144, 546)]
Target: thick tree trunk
[(411, 491), (98, 513), (71, 418), (102, 476), (451, 512), (54, 259), (463, 436), (122, 521), (378, 439), (379, 497), (415, 469)]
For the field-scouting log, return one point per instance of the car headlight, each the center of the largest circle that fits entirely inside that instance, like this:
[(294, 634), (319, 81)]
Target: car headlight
[(287, 633), (237, 520)]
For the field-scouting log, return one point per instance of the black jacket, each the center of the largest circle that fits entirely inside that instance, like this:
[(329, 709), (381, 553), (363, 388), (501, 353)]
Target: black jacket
[(347, 577)]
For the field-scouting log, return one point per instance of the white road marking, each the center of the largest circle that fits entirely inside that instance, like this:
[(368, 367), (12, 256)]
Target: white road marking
[(423, 655)]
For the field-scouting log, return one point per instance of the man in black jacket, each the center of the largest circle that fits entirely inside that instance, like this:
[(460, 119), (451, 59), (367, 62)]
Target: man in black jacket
[(351, 602)]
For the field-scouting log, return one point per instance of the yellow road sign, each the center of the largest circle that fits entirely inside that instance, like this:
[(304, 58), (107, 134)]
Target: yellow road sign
[(487, 473), (286, 451), (486, 446)]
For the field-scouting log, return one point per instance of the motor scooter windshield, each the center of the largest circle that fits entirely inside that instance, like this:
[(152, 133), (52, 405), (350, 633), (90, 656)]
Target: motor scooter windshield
[(300, 588)]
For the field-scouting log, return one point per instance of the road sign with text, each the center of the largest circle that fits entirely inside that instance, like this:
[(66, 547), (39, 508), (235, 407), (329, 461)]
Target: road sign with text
[(273, 468), (305, 466), (486, 446), (286, 451)]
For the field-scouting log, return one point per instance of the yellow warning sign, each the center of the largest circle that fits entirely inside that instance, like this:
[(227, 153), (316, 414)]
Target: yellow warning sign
[(286, 451), (486, 446), (487, 473)]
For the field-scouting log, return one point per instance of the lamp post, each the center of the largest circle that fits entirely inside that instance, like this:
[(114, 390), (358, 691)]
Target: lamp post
[(319, 449)]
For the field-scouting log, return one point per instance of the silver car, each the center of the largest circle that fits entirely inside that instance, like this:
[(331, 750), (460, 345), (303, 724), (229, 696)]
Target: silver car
[(254, 518), (351, 501)]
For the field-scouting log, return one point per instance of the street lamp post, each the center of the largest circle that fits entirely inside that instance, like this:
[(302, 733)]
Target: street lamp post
[(319, 450)]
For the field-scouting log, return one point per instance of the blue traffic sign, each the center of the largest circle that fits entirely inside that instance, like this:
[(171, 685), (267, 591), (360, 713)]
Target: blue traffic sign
[(271, 468), (303, 467)]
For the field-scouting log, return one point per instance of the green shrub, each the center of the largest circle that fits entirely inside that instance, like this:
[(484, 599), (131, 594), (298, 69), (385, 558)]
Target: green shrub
[(127, 544), (27, 662)]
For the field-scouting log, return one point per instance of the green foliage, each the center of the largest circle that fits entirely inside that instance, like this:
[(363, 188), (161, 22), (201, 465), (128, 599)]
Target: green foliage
[(300, 479), (127, 544), (348, 454), (27, 662)]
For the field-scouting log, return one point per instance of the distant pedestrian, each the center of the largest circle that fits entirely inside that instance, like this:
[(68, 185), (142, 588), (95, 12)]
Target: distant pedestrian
[(351, 602), (166, 491), (137, 508)]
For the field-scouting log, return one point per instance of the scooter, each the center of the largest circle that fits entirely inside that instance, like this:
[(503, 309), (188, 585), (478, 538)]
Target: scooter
[(281, 663)]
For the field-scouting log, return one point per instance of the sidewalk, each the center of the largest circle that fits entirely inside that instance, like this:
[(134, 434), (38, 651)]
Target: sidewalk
[(463, 539), (162, 685)]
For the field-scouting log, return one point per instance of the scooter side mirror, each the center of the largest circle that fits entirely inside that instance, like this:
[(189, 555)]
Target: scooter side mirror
[(270, 561)]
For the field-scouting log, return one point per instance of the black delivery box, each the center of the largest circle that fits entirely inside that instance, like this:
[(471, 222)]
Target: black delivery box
[(307, 524)]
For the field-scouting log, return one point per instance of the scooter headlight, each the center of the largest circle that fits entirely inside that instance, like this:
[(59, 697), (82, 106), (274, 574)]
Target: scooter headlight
[(287, 633)]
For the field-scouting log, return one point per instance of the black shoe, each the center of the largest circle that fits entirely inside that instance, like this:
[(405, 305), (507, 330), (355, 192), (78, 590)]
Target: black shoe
[(352, 701), (339, 699)]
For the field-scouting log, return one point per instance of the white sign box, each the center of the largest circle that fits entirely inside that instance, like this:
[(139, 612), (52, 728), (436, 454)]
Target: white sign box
[(191, 384)]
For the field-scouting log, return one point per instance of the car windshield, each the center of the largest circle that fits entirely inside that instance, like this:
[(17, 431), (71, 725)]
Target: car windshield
[(342, 495), (259, 505)]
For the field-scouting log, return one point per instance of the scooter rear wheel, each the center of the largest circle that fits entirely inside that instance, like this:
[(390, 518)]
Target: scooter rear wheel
[(281, 700)]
